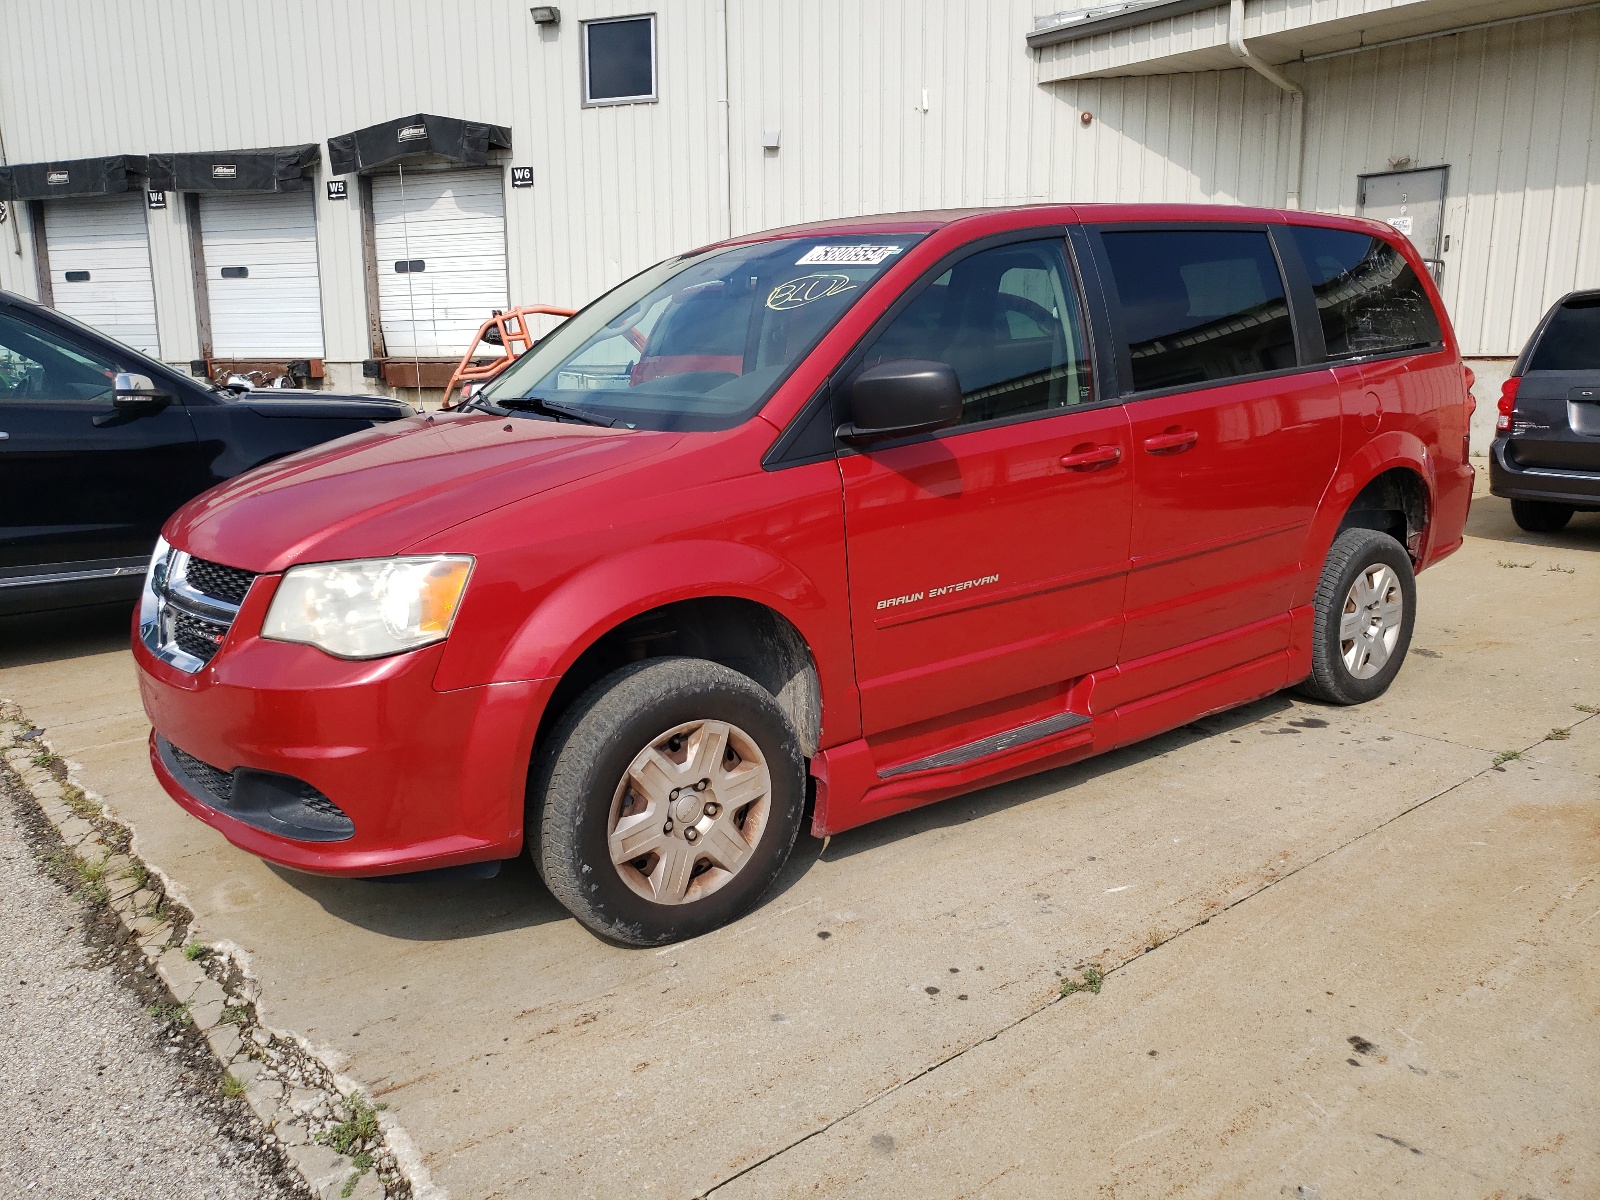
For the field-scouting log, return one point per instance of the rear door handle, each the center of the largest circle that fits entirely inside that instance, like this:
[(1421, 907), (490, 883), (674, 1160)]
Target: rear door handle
[(1088, 460), (1173, 441)]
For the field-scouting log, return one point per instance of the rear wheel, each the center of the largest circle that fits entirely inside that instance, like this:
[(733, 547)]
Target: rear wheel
[(1365, 607), (1541, 516), (672, 792)]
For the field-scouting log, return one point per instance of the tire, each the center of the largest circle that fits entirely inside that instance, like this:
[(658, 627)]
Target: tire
[(1348, 669), (664, 720), (1541, 516)]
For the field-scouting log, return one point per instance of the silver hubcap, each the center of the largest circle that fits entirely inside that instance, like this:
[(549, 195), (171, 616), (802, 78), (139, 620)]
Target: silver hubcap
[(689, 812), (1369, 627)]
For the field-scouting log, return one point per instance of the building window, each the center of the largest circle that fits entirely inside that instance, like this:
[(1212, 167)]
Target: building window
[(619, 60)]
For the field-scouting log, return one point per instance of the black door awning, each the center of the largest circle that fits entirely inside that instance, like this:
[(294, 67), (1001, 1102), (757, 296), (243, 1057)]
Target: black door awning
[(379, 145), (269, 169), (72, 177)]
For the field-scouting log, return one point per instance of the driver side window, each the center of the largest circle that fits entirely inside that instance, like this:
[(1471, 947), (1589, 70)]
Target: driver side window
[(1007, 320), (35, 365)]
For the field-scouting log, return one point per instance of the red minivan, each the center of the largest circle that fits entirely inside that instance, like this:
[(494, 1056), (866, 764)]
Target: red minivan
[(865, 513)]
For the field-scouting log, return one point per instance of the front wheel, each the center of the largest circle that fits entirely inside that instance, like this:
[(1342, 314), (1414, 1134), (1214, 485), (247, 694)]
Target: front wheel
[(672, 792), (1541, 516), (1365, 607)]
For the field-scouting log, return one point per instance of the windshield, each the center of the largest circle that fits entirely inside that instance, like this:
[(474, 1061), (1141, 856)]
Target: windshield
[(698, 342)]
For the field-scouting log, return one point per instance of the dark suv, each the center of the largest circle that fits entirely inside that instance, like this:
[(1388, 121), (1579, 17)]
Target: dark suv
[(99, 445), (1546, 457)]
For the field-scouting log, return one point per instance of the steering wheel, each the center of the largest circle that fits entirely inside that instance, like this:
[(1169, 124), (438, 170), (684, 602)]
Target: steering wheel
[(1033, 311)]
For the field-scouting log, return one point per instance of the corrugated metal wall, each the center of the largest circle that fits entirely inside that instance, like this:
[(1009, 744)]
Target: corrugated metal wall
[(882, 105), (1515, 112)]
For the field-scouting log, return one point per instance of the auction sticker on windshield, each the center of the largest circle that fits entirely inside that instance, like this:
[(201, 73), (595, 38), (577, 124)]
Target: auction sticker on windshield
[(848, 256)]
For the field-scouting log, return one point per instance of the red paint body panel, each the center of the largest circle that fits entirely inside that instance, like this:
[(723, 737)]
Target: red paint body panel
[(949, 588)]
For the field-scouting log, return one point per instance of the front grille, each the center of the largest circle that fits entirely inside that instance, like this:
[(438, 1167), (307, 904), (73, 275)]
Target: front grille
[(196, 636), (215, 780), (214, 579)]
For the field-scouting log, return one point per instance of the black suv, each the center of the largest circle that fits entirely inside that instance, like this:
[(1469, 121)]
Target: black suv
[(99, 445), (1546, 455)]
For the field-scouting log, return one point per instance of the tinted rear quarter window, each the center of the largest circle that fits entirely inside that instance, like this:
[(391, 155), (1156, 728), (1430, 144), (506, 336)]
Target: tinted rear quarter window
[(1571, 341), (1199, 306), (1369, 300)]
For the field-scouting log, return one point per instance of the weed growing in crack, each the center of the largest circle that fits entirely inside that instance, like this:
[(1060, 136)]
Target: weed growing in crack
[(138, 873), (72, 796), (1092, 981), (1563, 570), (1587, 708), (1506, 756), (43, 758), (1558, 735), (172, 1014), (352, 1135), (230, 1087), (1500, 562), (235, 1014), (195, 951)]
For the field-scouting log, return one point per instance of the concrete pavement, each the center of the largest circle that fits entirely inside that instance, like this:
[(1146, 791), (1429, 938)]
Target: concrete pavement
[(888, 1021)]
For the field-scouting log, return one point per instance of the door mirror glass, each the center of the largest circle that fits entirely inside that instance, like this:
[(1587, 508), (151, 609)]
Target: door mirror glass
[(137, 393), (902, 397)]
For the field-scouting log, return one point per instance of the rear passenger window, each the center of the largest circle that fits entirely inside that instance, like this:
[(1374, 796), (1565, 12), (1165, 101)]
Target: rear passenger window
[(1368, 297), (1200, 306), (1007, 321), (1571, 341)]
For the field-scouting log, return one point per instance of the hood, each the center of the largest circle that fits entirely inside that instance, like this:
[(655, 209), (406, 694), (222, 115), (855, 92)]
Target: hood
[(376, 492), (302, 402)]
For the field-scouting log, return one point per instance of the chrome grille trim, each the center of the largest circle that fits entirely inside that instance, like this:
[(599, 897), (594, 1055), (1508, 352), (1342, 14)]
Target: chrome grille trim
[(181, 624)]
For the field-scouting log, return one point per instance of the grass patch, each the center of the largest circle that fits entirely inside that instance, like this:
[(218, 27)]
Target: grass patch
[(1558, 735), (1156, 937), (1586, 708), (195, 951), (230, 1087), (1506, 756), (1500, 562), (1092, 981), (138, 872), (43, 758), (1563, 570)]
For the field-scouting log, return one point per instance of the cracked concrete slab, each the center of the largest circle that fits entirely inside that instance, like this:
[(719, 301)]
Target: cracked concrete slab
[(524, 1057)]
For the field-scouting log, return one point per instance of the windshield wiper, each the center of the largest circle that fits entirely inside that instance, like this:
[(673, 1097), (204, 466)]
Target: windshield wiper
[(550, 408)]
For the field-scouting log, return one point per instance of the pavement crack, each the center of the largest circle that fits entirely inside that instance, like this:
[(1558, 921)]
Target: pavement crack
[(1107, 972)]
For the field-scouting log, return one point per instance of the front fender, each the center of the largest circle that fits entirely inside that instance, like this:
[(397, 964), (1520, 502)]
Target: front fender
[(1384, 452), (584, 607)]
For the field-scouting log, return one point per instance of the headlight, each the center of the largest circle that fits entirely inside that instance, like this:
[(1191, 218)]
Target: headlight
[(368, 608), (155, 577)]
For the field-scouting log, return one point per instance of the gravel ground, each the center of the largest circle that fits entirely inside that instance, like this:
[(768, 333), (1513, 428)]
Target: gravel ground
[(98, 1098)]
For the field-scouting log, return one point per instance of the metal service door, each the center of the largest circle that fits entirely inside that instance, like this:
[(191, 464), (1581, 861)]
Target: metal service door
[(1413, 202)]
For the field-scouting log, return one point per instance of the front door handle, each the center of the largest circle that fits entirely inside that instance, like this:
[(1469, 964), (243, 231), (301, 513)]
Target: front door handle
[(1092, 457), (1173, 441), (5, 437)]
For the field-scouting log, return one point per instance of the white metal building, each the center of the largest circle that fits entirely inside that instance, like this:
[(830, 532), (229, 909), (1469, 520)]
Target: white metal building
[(431, 161)]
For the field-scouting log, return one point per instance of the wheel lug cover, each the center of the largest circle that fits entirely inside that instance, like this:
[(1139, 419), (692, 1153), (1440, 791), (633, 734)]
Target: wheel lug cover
[(701, 786), (674, 794), (690, 834)]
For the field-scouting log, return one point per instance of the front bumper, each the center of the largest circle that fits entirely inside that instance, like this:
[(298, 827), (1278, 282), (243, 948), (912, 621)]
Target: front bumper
[(1581, 489), (427, 778)]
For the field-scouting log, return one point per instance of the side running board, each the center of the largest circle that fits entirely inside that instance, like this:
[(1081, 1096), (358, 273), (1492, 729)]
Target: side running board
[(993, 744)]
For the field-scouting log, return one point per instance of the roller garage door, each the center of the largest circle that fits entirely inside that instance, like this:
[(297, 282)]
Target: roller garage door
[(100, 266), (440, 241), (261, 275)]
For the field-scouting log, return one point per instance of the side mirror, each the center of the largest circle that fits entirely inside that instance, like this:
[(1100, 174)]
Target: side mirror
[(901, 397), (136, 393)]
